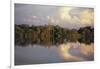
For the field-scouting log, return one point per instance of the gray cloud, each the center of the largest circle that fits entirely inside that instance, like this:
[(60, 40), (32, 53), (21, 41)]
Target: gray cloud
[(24, 14)]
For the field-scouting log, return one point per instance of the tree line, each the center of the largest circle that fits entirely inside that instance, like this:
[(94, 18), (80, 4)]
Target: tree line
[(51, 35)]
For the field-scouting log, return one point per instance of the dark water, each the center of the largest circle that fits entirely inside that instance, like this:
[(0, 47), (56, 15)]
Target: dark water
[(67, 52)]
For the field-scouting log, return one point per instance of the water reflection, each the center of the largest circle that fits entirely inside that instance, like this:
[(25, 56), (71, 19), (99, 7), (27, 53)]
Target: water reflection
[(67, 52), (76, 51)]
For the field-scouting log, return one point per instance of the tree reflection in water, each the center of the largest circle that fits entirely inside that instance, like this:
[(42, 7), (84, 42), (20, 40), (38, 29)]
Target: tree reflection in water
[(70, 51), (72, 44)]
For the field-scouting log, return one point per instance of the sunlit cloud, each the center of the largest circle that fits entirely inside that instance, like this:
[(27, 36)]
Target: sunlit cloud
[(78, 16), (63, 16), (48, 17), (34, 17), (86, 17), (64, 13)]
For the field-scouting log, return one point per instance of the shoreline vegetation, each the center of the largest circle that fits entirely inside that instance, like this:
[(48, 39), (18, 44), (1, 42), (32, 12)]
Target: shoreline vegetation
[(51, 35)]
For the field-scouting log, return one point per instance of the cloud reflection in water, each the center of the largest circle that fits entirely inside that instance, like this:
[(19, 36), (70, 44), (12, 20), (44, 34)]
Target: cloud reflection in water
[(76, 51)]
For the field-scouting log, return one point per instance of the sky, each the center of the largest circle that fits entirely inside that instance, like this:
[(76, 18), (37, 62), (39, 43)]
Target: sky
[(63, 16)]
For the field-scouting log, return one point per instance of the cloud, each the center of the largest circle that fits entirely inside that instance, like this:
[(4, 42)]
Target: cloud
[(64, 16), (83, 15), (72, 17), (86, 17), (63, 13)]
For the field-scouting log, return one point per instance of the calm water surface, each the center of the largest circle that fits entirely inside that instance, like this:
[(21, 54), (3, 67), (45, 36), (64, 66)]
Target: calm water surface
[(67, 52)]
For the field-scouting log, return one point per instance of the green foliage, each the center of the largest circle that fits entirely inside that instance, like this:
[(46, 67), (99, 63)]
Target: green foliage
[(51, 35)]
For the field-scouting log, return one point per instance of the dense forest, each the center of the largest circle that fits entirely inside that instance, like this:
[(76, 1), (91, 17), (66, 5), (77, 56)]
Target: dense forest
[(51, 35)]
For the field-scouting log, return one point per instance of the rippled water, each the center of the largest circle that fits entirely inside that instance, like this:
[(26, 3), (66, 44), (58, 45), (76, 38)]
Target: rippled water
[(68, 52)]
